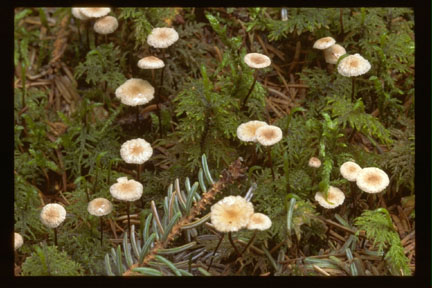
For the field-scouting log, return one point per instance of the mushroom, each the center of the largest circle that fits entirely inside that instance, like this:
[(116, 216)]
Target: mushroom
[(352, 66), (94, 12), (256, 61), (269, 135), (52, 215), (18, 241), (335, 197), (324, 43), (105, 25), (76, 12), (100, 207), (372, 180), (247, 131), (349, 170), (314, 162), (333, 53), (150, 62)]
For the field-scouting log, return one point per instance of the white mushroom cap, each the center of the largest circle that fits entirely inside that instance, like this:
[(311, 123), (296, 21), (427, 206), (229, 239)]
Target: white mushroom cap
[(268, 135), (99, 207), (333, 53), (372, 180), (150, 62), (136, 151), (246, 131), (18, 240), (76, 12), (106, 25), (324, 43), (314, 162), (162, 37), (231, 214), (52, 215), (259, 221), (95, 12), (349, 170), (126, 190), (335, 197), (257, 60), (135, 92), (353, 65)]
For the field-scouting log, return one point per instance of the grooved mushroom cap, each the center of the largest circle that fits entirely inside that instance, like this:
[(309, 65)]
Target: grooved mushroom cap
[(335, 197), (150, 62), (314, 162), (246, 131), (135, 92), (126, 190), (231, 214), (257, 60), (162, 37), (324, 43), (259, 221), (76, 12), (105, 25), (95, 12), (353, 65), (136, 151), (333, 53), (372, 180), (52, 215), (99, 207), (18, 240), (268, 135), (349, 170)]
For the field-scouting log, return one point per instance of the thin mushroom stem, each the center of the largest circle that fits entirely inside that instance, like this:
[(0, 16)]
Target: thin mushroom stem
[(158, 95), (249, 243), (353, 96), (354, 196), (232, 243), (270, 162), (55, 236), (214, 252), (250, 89), (128, 218), (101, 238), (138, 178), (341, 20)]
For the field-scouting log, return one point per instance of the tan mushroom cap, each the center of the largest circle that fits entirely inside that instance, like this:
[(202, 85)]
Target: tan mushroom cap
[(259, 221), (372, 180), (99, 207), (162, 37), (246, 131), (314, 162), (150, 62), (136, 151), (135, 92), (353, 65), (18, 240), (333, 53), (95, 12), (126, 190), (105, 25), (76, 12), (52, 215), (268, 135), (349, 170), (335, 197), (257, 60), (324, 43), (231, 214)]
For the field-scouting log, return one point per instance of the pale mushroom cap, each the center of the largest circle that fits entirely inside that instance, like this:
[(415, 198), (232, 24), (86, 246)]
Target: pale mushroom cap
[(95, 12), (52, 215), (135, 92), (18, 240), (126, 190), (136, 151), (106, 25), (231, 214), (314, 162), (246, 131), (99, 207), (353, 65), (268, 135), (333, 53), (162, 37), (76, 12), (150, 62), (372, 180), (257, 60), (349, 170), (324, 43), (334, 195), (259, 221)]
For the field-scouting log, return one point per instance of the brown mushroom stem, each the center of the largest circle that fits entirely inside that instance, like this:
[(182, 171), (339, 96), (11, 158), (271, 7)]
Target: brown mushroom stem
[(270, 162), (250, 242), (128, 218), (101, 238), (250, 90), (353, 89), (138, 179), (341, 20), (158, 96), (214, 252), (55, 236), (354, 196), (87, 34), (232, 243), (137, 115)]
